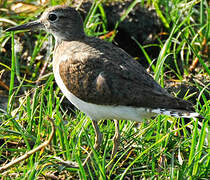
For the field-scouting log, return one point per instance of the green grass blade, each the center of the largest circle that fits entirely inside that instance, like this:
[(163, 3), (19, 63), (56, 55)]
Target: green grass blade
[(12, 76), (200, 146), (145, 54), (192, 148), (160, 14)]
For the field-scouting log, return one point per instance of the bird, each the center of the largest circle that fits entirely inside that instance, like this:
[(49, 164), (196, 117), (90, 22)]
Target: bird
[(101, 79)]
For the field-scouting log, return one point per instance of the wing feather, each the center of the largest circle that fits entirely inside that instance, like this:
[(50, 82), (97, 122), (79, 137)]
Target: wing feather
[(107, 75)]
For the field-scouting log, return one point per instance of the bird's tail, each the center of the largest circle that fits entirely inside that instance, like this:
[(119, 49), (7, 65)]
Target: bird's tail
[(177, 113)]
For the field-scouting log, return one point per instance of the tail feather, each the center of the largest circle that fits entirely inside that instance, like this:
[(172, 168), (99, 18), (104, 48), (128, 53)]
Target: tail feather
[(176, 113)]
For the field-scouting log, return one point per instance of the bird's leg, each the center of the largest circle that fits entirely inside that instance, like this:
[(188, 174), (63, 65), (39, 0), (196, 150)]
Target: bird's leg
[(116, 143), (116, 139), (98, 140)]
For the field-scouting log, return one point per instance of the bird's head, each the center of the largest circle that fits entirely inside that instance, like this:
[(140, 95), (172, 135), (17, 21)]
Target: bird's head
[(63, 22)]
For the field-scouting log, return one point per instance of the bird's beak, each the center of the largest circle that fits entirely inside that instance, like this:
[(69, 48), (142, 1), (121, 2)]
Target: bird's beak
[(27, 26)]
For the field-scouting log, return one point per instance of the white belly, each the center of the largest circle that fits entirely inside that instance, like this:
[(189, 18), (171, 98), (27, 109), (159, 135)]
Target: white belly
[(98, 112)]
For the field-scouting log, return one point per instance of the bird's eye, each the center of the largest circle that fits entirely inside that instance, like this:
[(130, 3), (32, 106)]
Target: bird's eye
[(52, 17)]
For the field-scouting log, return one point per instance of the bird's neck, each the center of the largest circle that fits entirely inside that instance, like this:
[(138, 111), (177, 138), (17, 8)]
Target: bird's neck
[(77, 37)]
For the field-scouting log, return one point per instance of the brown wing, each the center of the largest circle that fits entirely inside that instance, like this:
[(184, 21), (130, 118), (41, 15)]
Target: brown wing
[(101, 73)]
